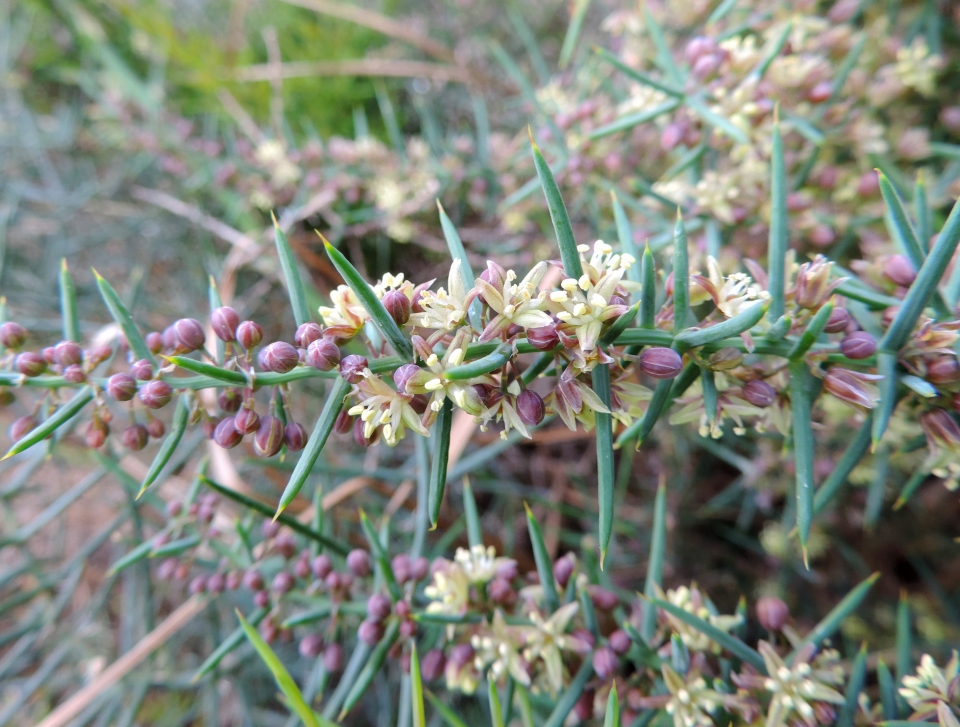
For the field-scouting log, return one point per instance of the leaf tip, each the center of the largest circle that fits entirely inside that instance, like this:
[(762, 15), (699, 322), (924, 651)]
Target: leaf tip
[(276, 225)]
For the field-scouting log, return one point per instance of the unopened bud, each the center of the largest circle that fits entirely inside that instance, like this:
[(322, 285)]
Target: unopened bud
[(294, 436), (261, 599), (21, 427), (530, 407), (400, 565), (332, 658), (725, 359), (323, 354), (602, 598), (97, 431), (226, 434), (98, 354), (190, 336), (358, 561), (224, 321), (772, 613), (247, 421), (619, 641), (360, 437), (122, 387), (605, 662), (134, 437), (198, 585), (142, 370), (74, 374), (344, 423), (156, 428), (858, 345), (839, 321), (544, 338), (351, 368), (370, 632), (759, 393), (868, 185), (658, 362), (229, 400), (154, 342), (279, 357), (283, 582), (671, 136), (156, 394), (941, 429), (501, 592), (705, 67), (397, 305), (820, 92), (583, 708), (307, 334), (31, 364), (950, 118), (321, 566), (216, 583), (269, 436), (311, 645), (12, 335), (403, 375), (249, 334), (943, 370), (419, 568), (378, 607), (252, 580), (900, 270), (68, 353), (432, 665), (824, 712)]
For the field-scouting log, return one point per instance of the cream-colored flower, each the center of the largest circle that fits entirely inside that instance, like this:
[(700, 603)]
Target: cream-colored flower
[(480, 563), (449, 592), (931, 685), (690, 600), (514, 303), (546, 639), (731, 294), (691, 701), (498, 650), (380, 406), (447, 308), (346, 315), (433, 381)]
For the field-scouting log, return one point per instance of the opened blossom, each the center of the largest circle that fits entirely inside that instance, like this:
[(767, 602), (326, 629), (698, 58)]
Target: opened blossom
[(514, 303)]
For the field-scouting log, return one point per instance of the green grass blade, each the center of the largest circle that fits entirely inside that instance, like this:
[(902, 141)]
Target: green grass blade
[(708, 383), (612, 716), (850, 459), (123, 319), (664, 57), (416, 688), (551, 600), (491, 362), (234, 378), (214, 301), (380, 556), (904, 638), (744, 321), (68, 304), (922, 212), (772, 52), (457, 251), (470, 514), (721, 123), (291, 275), (370, 670), (229, 644), (635, 119), (858, 677), (886, 367), (177, 427), (288, 687), (811, 333), (438, 464), (831, 622), (267, 511), (389, 117), (570, 696), (496, 711), (779, 238), (888, 691), (573, 32), (902, 227), (658, 547), (134, 556), (530, 43), (384, 322), (803, 449), (558, 215), (731, 643), (318, 438), (448, 715), (52, 423), (357, 661), (918, 477), (648, 293), (635, 75), (681, 276), (605, 468), (625, 237)]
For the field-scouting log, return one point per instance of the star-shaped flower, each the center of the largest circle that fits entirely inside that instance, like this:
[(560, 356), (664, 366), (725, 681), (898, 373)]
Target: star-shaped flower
[(514, 304), (584, 306), (447, 308), (546, 639), (381, 406), (345, 316)]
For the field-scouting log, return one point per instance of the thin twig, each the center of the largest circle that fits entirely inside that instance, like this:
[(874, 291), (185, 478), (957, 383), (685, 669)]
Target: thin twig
[(358, 67)]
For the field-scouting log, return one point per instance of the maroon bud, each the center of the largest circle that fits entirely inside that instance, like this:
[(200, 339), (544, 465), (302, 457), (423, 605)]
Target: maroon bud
[(362, 439), (343, 424), (31, 364), (408, 629), (170, 342), (530, 407), (943, 370), (190, 335), (182, 571), (142, 370), (858, 345), (508, 570), (122, 387), (154, 342), (824, 712), (759, 393), (370, 632), (167, 569), (174, 508), (74, 374), (489, 395), (234, 579), (12, 335), (583, 709), (134, 437), (403, 374), (47, 354), (544, 338), (461, 655), (495, 275), (230, 400), (671, 136), (358, 561), (224, 321), (294, 436), (302, 567), (249, 334), (584, 636), (287, 545), (269, 437), (156, 394), (226, 434), (323, 354), (208, 425), (605, 662), (247, 421), (261, 599), (351, 368), (706, 66), (868, 184), (21, 427), (402, 609), (602, 598), (98, 354), (419, 568), (658, 362), (67, 353), (198, 585), (619, 641), (500, 592), (252, 580), (820, 93), (332, 658), (378, 607), (96, 434), (563, 569), (311, 646), (283, 582), (397, 305), (900, 270), (839, 321), (772, 613), (205, 514), (400, 565), (269, 529), (950, 118), (279, 357), (321, 566), (332, 581), (432, 665), (156, 429), (216, 583)]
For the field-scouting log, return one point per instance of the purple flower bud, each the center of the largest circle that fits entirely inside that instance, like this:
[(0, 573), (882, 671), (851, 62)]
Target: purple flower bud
[(216, 583), (229, 400), (283, 582), (403, 374), (943, 370), (270, 529), (332, 581), (397, 305), (900, 270), (839, 321), (74, 374), (156, 394), (868, 185), (234, 579), (772, 613), (488, 394), (311, 645), (269, 437), (174, 508), (167, 569), (12, 335), (759, 393), (820, 92), (294, 436), (941, 429), (602, 598), (823, 712), (156, 428), (98, 354), (378, 607), (495, 275), (583, 709), (419, 568), (96, 434), (619, 641), (198, 585), (362, 439), (261, 599), (705, 67), (134, 437), (858, 345), (323, 354), (432, 665), (170, 342), (31, 364), (530, 407), (333, 658), (358, 561), (154, 342), (141, 370), (697, 47), (252, 580), (507, 570), (321, 566), (370, 632), (226, 434), (605, 662), (249, 334), (351, 368), (408, 629), (48, 355), (247, 421), (21, 427), (287, 545), (224, 321), (307, 334), (279, 357), (344, 423), (544, 338), (122, 387), (67, 353), (190, 335), (563, 569), (658, 362), (402, 609), (400, 565), (461, 655), (501, 592), (302, 567), (205, 514)]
